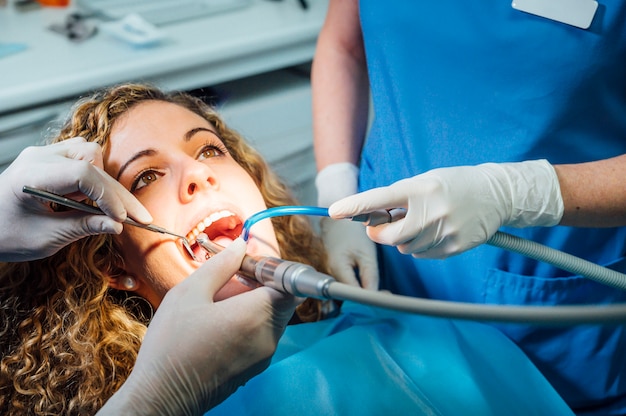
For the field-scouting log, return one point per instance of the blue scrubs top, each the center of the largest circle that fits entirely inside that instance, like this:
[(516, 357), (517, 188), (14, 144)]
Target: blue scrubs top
[(371, 361), (466, 82)]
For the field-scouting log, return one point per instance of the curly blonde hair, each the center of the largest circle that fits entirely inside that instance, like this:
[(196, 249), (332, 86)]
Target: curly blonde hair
[(68, 342)]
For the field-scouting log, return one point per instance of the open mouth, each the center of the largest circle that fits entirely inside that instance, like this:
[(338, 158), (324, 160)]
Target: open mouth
[(219, 226)]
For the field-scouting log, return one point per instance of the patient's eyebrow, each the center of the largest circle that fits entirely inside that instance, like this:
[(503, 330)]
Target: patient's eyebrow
[(193, 131), (143, 153)]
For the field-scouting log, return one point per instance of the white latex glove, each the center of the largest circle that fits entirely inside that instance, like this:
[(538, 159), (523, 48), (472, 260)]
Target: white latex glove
[(346, 242), (197, 352), (73, 168), (451, 210)]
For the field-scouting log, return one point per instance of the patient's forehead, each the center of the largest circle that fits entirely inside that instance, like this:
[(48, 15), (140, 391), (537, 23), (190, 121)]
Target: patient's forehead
[(154, 119), (160, 112)]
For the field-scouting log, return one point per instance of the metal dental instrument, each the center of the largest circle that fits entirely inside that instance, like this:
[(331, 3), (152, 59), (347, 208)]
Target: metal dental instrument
[(381, 216), (70, 203)]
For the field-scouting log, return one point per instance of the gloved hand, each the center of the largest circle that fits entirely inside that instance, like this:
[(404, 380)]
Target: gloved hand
[(73, 168), (196, 352), (346, 242), (451, 210)]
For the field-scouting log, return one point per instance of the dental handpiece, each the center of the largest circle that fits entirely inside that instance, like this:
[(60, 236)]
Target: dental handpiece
[(286, 276), (304, 281)]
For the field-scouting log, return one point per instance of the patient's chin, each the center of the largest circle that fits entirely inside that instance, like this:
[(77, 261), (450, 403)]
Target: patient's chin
[(235, 286)]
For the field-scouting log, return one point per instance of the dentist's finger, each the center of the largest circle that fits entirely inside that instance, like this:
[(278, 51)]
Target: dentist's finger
[(79, 149), (368, 201), (112, 198)]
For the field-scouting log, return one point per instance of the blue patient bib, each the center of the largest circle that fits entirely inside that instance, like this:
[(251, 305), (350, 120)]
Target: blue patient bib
[(370, 361)]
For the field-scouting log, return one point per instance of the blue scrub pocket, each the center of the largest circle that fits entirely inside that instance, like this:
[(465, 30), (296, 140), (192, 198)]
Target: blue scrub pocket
[(585, 363), (510, 288)]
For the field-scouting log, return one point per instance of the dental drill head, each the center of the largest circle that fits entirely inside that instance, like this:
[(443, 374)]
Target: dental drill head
[(286, 276)]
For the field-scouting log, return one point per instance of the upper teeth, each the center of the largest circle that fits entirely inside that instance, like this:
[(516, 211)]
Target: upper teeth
[(204, 224)]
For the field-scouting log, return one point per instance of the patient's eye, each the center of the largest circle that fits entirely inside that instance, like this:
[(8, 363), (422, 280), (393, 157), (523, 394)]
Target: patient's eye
[(144, 178), (209, 151)]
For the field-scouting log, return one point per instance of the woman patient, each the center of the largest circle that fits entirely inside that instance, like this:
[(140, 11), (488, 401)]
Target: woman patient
[(73, 322)]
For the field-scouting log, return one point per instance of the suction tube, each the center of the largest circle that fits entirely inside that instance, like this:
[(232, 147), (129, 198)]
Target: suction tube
[(278, 212)]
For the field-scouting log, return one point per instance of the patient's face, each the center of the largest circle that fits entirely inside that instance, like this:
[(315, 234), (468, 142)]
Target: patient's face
[(171, 160)]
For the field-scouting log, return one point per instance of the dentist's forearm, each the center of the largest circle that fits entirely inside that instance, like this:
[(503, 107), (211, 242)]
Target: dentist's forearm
[(594, 193)]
